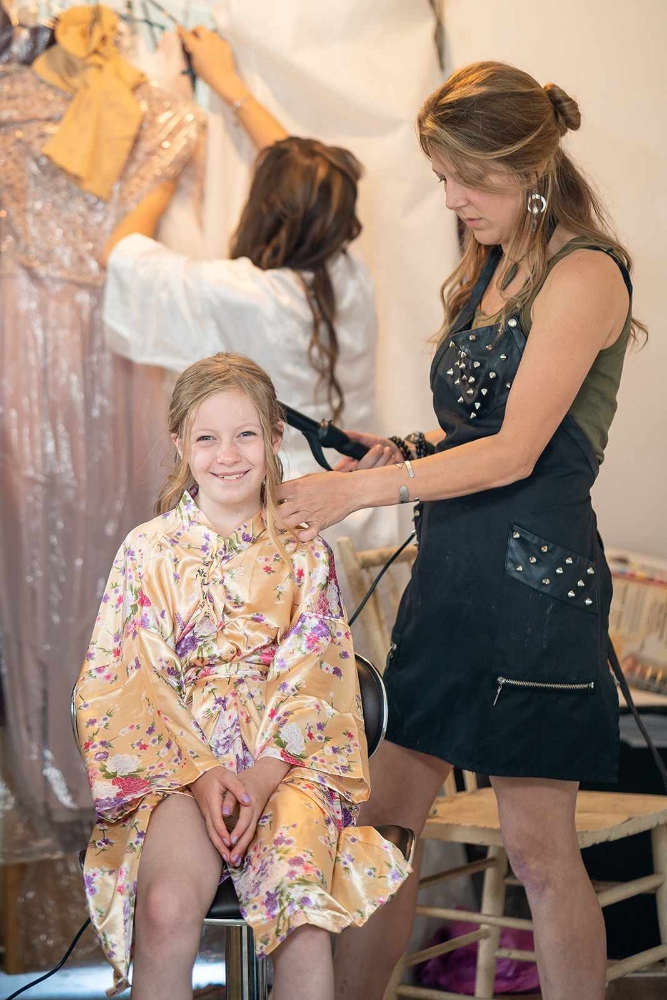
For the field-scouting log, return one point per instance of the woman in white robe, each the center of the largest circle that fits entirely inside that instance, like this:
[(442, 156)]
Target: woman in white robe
[(293, 297)]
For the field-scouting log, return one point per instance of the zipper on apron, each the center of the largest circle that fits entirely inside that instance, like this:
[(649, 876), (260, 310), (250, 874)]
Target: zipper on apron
[(542, 685)]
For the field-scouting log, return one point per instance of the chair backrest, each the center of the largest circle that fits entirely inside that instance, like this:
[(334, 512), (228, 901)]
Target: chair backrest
[(379, 614), (373, 703)]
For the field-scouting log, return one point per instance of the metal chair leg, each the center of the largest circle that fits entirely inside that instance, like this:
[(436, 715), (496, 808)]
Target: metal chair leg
[(245, 974)]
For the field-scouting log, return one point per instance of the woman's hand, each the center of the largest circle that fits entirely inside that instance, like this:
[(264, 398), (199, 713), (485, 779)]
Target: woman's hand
[(213, 61), (216, 793), (260, 781), (318, 501), (381, 451)]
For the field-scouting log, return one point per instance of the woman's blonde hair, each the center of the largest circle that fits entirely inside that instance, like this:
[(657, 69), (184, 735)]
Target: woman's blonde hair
[(226, 372), (488, 116)]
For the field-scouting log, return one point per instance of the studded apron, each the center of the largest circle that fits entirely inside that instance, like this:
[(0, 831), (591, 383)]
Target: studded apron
[(499, 654)]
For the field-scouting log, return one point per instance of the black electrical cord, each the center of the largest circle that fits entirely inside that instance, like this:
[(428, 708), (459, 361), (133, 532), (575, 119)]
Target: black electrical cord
[(58, 967), (627, 694), (380, 575)]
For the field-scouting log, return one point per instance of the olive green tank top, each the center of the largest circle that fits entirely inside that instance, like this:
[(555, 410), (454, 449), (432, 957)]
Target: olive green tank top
[(595, 403)]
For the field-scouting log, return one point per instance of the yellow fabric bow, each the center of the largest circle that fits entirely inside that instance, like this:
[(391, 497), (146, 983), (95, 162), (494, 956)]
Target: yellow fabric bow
[(98, 131)]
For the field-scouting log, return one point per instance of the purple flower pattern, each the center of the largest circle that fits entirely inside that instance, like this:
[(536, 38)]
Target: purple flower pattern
[(211, 650)]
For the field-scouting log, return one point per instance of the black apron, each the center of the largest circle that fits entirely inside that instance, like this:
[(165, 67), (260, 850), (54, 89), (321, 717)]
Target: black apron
[(499, 653)]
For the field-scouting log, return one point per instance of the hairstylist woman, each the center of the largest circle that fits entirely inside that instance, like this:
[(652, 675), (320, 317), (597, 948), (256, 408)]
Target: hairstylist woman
[(291, 297), (498, 662)]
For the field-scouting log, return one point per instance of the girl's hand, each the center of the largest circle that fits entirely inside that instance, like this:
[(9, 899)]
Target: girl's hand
[(381, 452), (216, 793), (213, 61), (318, 501), (260, 780)]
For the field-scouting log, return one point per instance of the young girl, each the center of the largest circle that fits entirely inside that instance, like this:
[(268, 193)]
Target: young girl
[(221, 675)]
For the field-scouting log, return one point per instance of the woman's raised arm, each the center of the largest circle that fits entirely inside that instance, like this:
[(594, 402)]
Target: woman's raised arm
[(213, 61)]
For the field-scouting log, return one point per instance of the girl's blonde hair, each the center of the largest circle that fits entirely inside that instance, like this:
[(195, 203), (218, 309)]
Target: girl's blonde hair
[(490, 115), (226, 372)]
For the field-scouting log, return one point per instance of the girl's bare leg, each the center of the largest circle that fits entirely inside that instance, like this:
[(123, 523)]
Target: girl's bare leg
[(537, 822), (302, 966), (404, 784), (178, 878)]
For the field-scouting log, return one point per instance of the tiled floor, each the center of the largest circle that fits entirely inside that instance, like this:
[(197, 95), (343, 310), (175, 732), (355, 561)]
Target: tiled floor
[(90, 983)]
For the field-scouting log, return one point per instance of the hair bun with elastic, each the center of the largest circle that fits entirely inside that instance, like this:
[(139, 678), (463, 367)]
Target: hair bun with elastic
[(565, 108)]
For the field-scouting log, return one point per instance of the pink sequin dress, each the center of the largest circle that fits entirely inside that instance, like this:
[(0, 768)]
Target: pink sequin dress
[(82, 434)]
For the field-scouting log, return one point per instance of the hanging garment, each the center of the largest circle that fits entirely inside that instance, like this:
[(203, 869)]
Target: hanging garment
[(80, 431), (93, 140), (211, 650), (22, 43), (181, 226)]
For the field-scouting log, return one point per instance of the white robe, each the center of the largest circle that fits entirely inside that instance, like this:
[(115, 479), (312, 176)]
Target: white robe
[(162, 308)]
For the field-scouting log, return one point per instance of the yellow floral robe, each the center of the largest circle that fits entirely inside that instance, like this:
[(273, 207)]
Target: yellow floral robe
[(211, 650)]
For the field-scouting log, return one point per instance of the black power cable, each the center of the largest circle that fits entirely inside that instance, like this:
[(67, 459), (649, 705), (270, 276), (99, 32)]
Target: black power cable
[(57, 968), (627, 694), (380, 575)]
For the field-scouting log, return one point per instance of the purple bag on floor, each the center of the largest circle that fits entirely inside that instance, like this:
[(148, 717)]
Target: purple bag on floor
[(455, 971)]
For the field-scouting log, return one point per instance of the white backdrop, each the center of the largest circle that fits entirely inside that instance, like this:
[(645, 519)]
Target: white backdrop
[(610, 56), (353, 75)]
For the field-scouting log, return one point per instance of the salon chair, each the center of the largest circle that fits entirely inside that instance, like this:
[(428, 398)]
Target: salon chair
[(246, 975)]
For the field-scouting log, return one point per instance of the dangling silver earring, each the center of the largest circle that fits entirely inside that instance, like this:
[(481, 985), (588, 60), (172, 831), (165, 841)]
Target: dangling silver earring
[(537, 205)]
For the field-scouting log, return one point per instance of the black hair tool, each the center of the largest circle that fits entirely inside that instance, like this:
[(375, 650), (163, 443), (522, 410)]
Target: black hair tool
[(323, 434)]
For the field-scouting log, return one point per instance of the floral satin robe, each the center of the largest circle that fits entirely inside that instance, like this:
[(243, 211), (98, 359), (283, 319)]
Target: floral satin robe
[(211, 650)]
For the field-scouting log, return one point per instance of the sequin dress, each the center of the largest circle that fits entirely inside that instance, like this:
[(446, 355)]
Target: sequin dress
[(211, 650), (79, 431)]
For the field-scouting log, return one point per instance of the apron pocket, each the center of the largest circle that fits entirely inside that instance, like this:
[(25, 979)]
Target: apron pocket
[(548, 635), (551, 569)]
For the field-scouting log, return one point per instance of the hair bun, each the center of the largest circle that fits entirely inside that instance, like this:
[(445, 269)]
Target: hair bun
[(565, 108)]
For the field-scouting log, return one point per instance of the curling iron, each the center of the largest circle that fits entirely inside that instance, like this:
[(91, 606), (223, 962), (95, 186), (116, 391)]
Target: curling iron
[(323, 434)]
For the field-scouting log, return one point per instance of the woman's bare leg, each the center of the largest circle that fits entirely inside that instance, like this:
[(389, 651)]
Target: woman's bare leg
[(537, 822), (178, 878), (302, 966), (404, 784)]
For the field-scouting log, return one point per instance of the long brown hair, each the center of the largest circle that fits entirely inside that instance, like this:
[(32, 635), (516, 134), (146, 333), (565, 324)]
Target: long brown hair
[(225, 372), (490, 115), (300, 212)]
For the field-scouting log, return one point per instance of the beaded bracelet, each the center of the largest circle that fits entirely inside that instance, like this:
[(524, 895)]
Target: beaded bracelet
[(421, 445), (402, 446)]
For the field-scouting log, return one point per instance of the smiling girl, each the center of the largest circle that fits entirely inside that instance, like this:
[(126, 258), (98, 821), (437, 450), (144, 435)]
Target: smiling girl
[(221, 678)]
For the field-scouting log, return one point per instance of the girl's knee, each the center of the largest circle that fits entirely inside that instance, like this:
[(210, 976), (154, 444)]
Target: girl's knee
[(307, 939), (168, 912)]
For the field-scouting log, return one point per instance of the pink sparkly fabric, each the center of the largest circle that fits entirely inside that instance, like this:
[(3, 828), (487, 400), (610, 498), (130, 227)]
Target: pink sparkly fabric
[(82, 438)]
